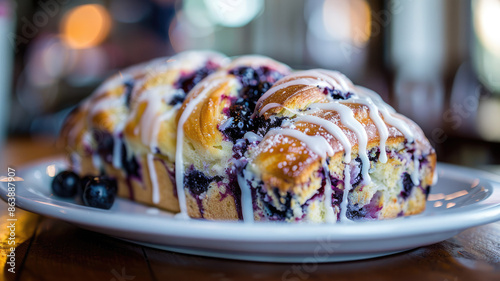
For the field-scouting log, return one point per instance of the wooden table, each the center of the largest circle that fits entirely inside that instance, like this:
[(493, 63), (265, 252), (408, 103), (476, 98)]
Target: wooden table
[(50, 249)]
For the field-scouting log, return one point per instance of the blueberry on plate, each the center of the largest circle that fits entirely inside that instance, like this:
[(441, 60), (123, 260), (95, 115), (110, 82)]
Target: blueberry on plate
[(83, 183), (66, 184), (100, 192)]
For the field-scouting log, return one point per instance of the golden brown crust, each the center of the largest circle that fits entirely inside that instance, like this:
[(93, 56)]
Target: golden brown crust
[(285, 162), (201, 127)]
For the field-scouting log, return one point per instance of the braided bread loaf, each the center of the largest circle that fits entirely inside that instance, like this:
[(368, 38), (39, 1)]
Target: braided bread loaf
[(251, 141)]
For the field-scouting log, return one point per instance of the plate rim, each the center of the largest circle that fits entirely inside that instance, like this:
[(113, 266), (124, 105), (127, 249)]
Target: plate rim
[(282, 232)]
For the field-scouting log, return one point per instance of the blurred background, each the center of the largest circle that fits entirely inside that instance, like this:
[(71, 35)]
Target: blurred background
[(436, 61)]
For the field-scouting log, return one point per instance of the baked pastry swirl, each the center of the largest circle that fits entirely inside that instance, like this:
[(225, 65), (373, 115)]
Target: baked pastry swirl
[(252, 141)]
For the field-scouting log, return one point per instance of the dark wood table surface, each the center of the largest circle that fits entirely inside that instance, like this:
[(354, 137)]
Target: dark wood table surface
[(49, 249)]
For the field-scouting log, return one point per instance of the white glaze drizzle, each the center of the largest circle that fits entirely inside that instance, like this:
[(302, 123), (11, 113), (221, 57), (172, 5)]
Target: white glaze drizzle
[(387, 112), (76, 162), (149, 116), (252, 137), (117, 151), (336, 79), (329, 212), (347, 118), (316, 144), (226, 124), (299, 81), (435, 178), (117, 145), (179, 163), (154, 178), (96, 161), (105, 104), (157, 124), (379, 123), (415, 173), (345, 196), (246, 198), (268, 106), (332, 129)]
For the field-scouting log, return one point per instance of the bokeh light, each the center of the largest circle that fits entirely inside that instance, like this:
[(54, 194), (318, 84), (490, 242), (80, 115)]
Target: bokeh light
[(85, 26), (486, 24), (233, 13), (347, 20)]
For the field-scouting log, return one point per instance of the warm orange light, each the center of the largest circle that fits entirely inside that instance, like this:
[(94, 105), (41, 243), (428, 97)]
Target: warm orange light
[(85, 26), (348, 20)]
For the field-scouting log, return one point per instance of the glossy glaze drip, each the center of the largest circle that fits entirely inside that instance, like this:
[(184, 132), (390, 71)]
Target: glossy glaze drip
[(316, 144), (388, 112), (157, 123), (76, 162), (347, 118), (252, 137), (345, 196), (332, 129), (154, 179), (329, 211), (179, 163), (299, 81), (246, 197), (117, 151), (269, 106), (415, 172), (150, 115), (96, 161), (117, 145), (379, 123), (380, 113)]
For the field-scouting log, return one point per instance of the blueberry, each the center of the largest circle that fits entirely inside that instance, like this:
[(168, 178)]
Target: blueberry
[(264, 125), (407, 186), (176, 99), (356, 180), (282, 211), (247, 75), (130, 164), (197, 182), (187, 81), (65, 184), (105, 144), (100, 192), (374, 154), (83, 183), (337, 94), (355, 213)]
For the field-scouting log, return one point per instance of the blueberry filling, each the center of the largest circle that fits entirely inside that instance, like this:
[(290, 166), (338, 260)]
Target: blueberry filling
[(374, 154), (234, 188), (187, 81), (337, 193), (407, 186), (197, 182), (264, 125), (427, 191), (129, 85), (337, 94), (130, 164), (281, 212), (368, 211), (105, 144), (358, 177), (241, 122), (255, 82), (239, 148), (249, 76)]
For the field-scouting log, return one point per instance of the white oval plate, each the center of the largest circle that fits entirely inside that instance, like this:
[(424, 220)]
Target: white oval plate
[(462, 198)]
